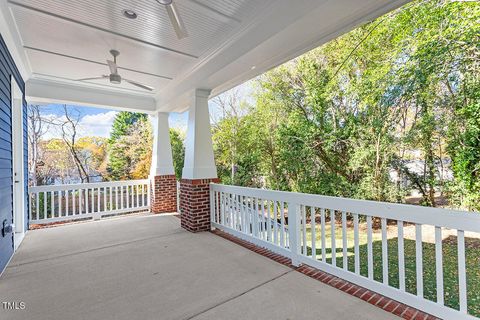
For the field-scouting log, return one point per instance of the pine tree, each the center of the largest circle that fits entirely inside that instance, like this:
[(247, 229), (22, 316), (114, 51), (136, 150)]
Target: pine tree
[(119, 162), (123, 122)]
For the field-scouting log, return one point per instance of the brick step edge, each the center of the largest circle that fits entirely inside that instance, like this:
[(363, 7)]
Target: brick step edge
[(378, 300)]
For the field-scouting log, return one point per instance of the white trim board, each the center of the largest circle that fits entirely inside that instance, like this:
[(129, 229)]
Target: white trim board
[(11, 36), (18, 161)]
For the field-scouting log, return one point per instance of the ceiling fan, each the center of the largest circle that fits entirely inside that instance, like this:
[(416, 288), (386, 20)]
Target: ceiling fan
[(114, 77), (175, 18)]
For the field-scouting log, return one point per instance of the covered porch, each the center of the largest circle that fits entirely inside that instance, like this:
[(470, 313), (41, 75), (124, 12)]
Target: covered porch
[(160, 266)]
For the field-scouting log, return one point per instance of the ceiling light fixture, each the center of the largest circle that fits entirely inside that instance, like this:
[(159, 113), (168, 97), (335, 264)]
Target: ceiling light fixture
[(165, 2), (130, 14)]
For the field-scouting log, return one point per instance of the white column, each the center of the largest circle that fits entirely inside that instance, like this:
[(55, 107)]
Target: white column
[(162, 160), (199, 160)]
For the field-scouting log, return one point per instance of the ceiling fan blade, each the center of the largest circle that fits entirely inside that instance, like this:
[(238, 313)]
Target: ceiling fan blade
[(138, 84), (113, 66), (176, 21), (94, 78)]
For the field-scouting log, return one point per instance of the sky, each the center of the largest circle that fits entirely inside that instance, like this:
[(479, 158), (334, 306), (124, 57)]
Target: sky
[(98, 121)]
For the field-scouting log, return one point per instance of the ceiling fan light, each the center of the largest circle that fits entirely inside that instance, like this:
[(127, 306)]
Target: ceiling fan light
[(165, 2), (115, 79)]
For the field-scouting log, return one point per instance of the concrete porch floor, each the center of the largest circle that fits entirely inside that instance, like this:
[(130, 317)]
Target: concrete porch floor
[(147, 267)]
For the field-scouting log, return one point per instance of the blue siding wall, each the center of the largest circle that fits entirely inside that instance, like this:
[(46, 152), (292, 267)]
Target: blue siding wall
[(7, 70)]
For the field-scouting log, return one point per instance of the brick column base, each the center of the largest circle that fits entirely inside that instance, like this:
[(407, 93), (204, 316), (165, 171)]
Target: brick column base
[(164, 194), (195, 204)]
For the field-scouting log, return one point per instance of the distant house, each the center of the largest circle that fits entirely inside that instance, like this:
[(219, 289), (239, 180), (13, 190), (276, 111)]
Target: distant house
[(443, 172)]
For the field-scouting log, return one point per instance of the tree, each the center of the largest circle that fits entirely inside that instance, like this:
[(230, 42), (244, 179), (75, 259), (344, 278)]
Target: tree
[(397, 96), (119, 162), (37, 127), (69, 159), (69, 126), (130, 153), (93, 151), (57, 163), (235, 147), (124, 120), (178, 151)]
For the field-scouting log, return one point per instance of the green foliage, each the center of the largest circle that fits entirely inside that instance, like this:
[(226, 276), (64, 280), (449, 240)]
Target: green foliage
[(341, 119), (124, 120), (465, 151), (130, 154), (121, 158), (126, 155), (236, 158), (178, 151)]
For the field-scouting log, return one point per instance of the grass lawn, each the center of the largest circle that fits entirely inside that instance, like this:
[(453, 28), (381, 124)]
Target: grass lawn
[(429, 274)]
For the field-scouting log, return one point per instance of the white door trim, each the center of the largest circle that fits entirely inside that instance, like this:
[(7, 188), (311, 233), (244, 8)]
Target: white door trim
[(18, 163)]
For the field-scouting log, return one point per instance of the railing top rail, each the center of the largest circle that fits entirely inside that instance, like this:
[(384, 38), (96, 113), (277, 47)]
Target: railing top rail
[(77, 186), (460, 220)]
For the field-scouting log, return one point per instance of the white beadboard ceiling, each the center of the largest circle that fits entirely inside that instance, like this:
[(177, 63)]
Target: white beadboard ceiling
[(71, 39), (229, 41)]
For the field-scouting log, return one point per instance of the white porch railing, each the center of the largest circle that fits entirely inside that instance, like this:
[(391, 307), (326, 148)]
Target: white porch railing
[(87, 200), (287, 222)]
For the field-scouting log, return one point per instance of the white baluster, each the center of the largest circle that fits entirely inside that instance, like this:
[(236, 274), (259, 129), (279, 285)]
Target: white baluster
[(369, 247), (122, 200), (462, 275), (332, 232), (282, 224), (80, 201), (74, 202), (324, 240), (222, 201), (60, 207), (52, 198), (401, 256), (92, 195), (45, 206), (269, 221), (37, 204), (356, 244), (105, 199), (99, 197), (419, 259), (384, 252), (110, 198), (439, 264), (294, 232), (141, 203), (304, 230), (314, 233), (344, 240), (66, 202), (275, 223)]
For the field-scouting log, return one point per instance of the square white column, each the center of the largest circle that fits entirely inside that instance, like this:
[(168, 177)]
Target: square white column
[(199, 159), (162, 160)]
